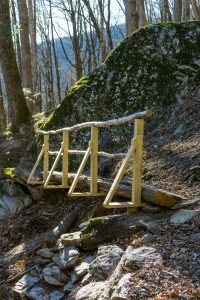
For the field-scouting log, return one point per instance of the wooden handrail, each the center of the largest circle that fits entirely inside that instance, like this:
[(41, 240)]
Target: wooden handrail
[(134, 152), (114, 122)]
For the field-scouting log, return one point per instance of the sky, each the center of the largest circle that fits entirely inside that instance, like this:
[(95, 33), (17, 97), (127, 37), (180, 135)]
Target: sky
[(117, 17)]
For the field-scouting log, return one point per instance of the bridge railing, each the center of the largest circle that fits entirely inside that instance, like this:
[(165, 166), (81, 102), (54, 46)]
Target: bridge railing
[(135, 152)]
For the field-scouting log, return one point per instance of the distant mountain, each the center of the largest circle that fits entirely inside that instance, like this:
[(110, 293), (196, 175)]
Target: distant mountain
[(66, 71)]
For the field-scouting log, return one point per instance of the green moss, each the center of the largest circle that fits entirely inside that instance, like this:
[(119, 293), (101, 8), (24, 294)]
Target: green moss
[(56, 118), (9, 172), (104, 229), (83, 81)]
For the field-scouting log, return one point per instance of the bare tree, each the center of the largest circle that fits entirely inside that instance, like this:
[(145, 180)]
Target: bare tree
[(54, 52), (177, 10), (33, 42), (98, 26), (16, 31), (196, 9), (45, 56), (165, 11), (2, 112), (185, 10), (131, 14), (25, 44), (142, 20), (18, 111)]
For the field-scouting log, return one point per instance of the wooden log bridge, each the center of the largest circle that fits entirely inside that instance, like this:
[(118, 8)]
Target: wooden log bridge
[(135, 190)]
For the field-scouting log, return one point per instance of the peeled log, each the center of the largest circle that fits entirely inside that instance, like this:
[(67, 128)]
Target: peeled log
[(149, 194), (159, 197)]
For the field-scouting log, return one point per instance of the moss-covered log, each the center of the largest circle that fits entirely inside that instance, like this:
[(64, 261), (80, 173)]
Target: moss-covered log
[(105, 229)]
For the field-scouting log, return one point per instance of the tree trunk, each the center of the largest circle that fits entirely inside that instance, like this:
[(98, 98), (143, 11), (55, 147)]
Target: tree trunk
[(54, 54), (25, 44), (165, 11), (177, 10), (18, 110), (196, 9), (126, 6), (186, 10), (131, 14), (142, 14), (32, 29), (18, 48), (97, 28), (108, 27), (133, 17), (102, 19), (2, 112)]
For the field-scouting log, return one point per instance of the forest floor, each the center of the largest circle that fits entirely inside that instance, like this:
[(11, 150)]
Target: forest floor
[(171, 162), (172, 148)]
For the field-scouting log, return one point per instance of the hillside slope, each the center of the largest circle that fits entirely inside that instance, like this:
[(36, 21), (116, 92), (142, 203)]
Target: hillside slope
[(172, 146)]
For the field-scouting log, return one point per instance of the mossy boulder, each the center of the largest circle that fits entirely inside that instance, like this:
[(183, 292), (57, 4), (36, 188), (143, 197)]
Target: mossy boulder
[(106, 229), (153, 67)]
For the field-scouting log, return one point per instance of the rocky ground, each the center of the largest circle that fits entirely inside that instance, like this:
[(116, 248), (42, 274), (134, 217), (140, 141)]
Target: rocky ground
[(159, 259), (156, 257)]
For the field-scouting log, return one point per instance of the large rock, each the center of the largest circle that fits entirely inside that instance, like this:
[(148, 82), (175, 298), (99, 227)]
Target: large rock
[(183, 215), (45, 252), (71, 239), (37, 293), (148, 239), (151, 68), (105, 229), (122, 289), (106, 261), (82, 269), (25, 283), (12, 199), (67, 258), (55, 276), (90, 291), (68, 288), (142, 256), (56, 295)]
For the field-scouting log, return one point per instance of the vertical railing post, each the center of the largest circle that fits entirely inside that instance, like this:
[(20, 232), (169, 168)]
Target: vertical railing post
[(46, 157), (65, 165), (137, 162), (94, 160)]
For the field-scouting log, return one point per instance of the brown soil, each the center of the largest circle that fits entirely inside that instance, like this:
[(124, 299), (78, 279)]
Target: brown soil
[(173, 160)]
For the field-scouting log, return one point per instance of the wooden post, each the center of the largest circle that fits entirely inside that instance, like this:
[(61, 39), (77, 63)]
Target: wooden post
[(94, 160), (65, 167), (53, 168), (35, 167), (119, 176), (80, 170), (46, 157), (137, 162)]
